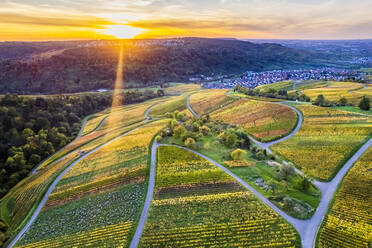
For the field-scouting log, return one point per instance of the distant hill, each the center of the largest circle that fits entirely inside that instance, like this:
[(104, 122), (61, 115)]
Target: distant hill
[(63, 67)]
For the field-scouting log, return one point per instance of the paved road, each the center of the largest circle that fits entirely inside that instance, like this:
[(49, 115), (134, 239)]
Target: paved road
[(53, 185), (148, 111), (146, 206), (188, 105)]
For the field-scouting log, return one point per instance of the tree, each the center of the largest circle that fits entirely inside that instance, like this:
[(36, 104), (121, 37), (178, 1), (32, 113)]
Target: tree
[(364, 103), (305, 183), (238, 154), (205, 130), (158, 138), (285, 171), (343, 101), (179, 132), (190, 143), (160, 93), (320, 100), (230, 139)]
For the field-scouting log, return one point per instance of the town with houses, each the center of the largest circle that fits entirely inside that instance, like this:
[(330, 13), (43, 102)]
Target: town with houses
[(252, 79)]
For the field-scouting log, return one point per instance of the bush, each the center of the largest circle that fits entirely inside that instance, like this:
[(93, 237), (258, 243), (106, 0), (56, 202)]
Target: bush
[(205, 130), (190, 143), (207, 146), (179, 132), (364, 104), (260, 155), (158, 138), (343, 101), (238, 154), (305, 183)]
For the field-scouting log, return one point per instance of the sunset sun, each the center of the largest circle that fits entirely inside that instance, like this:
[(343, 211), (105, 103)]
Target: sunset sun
[(123, 31)]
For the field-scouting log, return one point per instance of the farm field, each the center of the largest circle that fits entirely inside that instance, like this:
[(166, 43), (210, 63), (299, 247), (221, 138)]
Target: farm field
[(175, 103), (197, 214), (109, 184), (349, 220), (326, 138)]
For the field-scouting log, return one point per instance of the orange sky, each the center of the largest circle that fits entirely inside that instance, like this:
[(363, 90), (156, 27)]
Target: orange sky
[(98, 19)]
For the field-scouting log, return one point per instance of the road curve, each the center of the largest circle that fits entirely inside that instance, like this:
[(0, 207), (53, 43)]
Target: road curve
[(54, 184), (189, 107), (99, 125), (148, 111), (150, 190), (266, 145)]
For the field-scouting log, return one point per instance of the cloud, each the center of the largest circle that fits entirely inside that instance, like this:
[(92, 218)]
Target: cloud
[(71, 21)]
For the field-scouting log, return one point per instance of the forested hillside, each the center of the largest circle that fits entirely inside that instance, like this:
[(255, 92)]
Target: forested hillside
[(90, 65)]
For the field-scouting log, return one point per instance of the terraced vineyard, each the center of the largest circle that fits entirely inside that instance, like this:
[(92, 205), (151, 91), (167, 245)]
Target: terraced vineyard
[(325, 140), (263, 120), (349, 221), (258, 200), (335, 91), (106, 190), (207, 101), (191, 208)]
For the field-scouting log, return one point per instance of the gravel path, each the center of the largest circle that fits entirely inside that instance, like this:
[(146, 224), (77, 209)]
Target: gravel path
[(54, 184)]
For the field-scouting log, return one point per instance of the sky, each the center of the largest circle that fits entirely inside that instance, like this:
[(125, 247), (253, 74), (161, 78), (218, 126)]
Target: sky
[(38, 20)]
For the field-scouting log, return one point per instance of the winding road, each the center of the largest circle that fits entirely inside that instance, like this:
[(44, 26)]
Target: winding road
[(148, 111)]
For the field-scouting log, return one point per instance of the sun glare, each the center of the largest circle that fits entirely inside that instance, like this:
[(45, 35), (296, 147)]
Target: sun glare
[(123, 31)]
